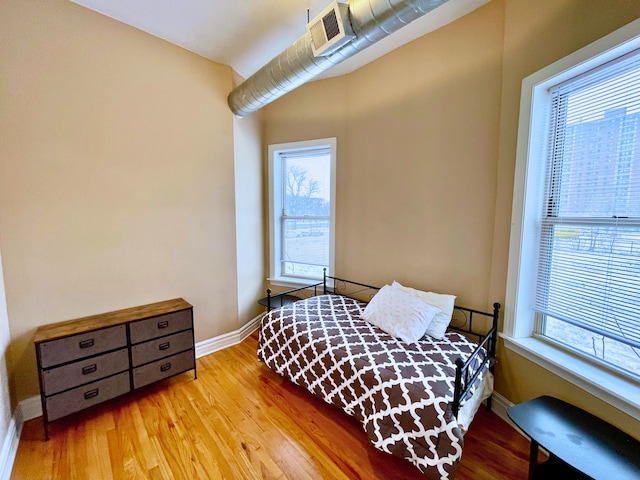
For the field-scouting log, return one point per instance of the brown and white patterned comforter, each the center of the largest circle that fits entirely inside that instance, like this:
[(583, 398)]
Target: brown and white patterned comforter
[(401, 393)]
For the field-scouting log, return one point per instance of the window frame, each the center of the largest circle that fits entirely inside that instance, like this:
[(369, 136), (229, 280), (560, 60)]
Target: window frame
[(275, 176), (521, 323)]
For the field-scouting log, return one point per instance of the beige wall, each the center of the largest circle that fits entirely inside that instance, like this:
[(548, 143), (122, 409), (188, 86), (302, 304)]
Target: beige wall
[(250, 249), (116, 178), (426, 157)]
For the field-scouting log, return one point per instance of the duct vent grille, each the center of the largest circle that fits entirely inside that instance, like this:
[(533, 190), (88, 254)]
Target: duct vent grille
[(331, 26), (331, 29)]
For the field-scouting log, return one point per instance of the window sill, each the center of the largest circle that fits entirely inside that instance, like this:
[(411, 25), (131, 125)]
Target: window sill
[(293, 282), (616, 390)]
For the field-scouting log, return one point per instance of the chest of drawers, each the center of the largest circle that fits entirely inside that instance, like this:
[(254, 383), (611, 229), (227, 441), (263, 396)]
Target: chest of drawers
[(93, 359)]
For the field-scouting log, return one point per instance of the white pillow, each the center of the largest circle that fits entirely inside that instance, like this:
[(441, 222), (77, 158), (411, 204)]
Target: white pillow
[(445, 303), (399, 314)]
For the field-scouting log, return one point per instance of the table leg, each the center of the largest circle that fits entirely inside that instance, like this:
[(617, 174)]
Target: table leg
[(533, 458)]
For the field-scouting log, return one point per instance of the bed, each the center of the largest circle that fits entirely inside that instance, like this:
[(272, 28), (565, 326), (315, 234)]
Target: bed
[(415, 397)]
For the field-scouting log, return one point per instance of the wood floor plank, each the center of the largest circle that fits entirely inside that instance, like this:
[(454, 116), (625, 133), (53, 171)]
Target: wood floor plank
[(238, 420)]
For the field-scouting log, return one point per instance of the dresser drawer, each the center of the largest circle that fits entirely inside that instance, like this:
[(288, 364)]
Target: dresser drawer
[(143, 330), (84, 371), (79, 398), (161, 347), (83, 345), (167, 367)]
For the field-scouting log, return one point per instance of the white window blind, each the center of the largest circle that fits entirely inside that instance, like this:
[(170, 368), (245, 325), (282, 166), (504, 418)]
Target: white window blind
[(588, 284)]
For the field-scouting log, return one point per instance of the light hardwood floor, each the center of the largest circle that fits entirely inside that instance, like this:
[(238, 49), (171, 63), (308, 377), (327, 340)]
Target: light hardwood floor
[(238, 420)]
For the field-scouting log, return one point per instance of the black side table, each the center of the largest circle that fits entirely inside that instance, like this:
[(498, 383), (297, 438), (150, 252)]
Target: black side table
[(279, 300), (581, 445)]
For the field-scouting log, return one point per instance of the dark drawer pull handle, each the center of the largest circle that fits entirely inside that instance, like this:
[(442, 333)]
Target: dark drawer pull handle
[(91, 393), (163, 324), (86, 343), (89, 369), (164, 346), (166, 367)]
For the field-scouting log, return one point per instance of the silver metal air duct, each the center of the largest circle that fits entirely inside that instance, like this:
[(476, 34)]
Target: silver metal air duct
[(371, 21)]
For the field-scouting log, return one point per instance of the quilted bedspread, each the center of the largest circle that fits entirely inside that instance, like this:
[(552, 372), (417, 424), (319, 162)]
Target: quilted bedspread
[(400, 393)]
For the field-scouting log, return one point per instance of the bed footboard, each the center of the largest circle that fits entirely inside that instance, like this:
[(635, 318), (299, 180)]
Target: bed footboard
[(465, 375)]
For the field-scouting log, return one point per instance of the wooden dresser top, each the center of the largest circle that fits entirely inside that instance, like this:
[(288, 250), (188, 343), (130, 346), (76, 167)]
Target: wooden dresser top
[(94, 322)]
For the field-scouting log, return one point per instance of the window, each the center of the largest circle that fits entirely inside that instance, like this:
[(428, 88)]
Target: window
[(302, 210), (573, 298), (588, 284)]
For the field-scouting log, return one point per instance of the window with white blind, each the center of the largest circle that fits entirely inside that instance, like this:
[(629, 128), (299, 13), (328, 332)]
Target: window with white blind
[(573, 286), (588, 283), (302, 210)]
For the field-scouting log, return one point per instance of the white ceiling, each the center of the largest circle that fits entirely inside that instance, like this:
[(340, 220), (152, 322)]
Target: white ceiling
[(246, 34)]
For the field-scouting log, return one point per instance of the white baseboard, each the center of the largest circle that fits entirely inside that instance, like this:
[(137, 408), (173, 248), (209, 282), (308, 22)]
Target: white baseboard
[(10, 446), (499, 406), (30, 408), (228, 339)]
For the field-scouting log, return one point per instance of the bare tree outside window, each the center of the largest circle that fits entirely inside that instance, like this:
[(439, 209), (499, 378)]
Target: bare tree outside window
[(299, 189)]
